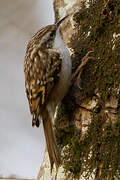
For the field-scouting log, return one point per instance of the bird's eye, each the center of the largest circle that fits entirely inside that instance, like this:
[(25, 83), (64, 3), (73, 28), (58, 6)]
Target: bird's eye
[(51, 34)]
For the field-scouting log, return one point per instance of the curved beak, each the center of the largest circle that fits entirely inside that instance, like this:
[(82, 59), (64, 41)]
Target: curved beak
[(61, 20)]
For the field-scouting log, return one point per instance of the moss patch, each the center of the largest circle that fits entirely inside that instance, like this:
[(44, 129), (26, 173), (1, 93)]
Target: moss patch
[(97, 29), (101, 147)]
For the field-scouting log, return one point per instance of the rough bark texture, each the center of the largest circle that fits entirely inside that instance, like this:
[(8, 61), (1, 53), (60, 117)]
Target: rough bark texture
[(88, 119), (13, 178)]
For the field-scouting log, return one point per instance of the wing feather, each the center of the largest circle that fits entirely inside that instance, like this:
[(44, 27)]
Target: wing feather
[(42, 70)]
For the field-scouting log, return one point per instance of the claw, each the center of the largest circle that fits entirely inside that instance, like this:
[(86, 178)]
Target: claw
[(78, 82), (79, 86), (80, 67)]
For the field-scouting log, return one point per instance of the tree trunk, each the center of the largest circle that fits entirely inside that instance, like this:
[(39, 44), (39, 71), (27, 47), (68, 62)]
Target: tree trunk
[(87, 123)]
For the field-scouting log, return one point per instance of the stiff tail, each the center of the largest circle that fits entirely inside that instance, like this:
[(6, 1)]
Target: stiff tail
[(52, 148)]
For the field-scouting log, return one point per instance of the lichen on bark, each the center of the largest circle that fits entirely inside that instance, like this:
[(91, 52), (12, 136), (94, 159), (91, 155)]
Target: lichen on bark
[(87, 123), (91, 143)]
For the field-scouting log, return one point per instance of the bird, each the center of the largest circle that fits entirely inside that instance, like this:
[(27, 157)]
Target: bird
[(47, 69)]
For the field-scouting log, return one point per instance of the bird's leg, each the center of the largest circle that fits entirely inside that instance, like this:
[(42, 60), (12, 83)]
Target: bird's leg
[(80, 68)]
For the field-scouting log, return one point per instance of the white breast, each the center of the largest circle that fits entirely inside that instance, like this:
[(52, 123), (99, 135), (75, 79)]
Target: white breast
[(65, 75), (66, 68)]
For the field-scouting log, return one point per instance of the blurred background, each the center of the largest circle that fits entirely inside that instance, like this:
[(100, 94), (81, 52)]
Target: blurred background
[(21, 146)]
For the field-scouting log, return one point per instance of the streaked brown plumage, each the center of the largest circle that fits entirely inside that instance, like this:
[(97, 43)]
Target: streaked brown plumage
[(42, 67), (47, 69)]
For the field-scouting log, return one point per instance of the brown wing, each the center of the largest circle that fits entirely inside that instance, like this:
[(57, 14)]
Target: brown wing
[(41, 68)]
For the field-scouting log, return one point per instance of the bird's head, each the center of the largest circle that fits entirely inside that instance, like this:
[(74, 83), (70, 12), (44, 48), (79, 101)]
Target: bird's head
[(48, 33)]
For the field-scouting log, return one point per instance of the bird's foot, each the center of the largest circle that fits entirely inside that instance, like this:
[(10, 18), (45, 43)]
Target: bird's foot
[(80, 68)]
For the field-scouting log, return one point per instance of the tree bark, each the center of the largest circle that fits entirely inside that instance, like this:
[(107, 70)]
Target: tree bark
[(81, 116)]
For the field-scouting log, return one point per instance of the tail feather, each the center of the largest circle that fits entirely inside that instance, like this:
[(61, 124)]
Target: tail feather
[(50, 140)]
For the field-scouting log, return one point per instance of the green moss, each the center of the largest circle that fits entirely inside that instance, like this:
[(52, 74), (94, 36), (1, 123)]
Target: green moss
[(98, 28), (100, 147), (100, 21), (64, 128)]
